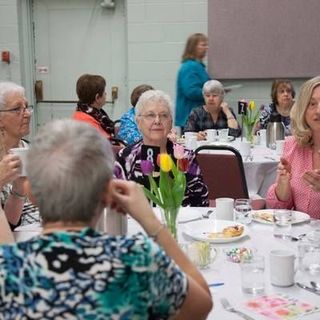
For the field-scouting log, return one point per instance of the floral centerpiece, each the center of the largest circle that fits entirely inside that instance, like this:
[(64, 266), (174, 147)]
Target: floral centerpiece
[(249, 119), (169, 194)]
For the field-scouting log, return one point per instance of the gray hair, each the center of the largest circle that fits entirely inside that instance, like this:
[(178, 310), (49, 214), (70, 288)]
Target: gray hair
[(213, 87), (68, 166), (7, 88), (153, 96)]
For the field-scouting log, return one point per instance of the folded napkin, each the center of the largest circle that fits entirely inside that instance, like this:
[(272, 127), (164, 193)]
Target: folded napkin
[(280, 307)]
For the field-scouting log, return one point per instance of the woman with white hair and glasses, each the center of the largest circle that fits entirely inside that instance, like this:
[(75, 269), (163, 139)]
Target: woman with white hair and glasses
[(298, 180), (15, 116), (214, 114), (154, 119), (71, 271)]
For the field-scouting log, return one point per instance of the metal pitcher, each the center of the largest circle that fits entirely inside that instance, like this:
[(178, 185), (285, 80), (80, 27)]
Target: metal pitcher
[(275, 130)]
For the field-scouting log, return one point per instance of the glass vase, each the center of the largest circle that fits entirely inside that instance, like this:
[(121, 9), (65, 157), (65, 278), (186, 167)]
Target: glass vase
[(169, 218), (249, 134)]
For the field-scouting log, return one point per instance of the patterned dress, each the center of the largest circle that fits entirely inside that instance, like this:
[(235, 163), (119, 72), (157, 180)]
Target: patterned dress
[(127, 167), (200, 120), (86, 275)]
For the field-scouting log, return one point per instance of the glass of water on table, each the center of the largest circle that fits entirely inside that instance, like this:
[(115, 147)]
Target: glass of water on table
[(243, 211)]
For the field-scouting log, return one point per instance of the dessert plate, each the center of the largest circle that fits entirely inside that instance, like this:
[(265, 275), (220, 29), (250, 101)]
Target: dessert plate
[(266, 216)]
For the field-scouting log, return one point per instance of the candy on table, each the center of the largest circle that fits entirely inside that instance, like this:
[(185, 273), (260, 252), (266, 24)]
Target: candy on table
[(239, 254)]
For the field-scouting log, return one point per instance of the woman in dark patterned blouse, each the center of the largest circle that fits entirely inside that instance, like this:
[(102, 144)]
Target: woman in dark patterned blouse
[(282, 95), (71, 271), (215, 114), (154, 119)]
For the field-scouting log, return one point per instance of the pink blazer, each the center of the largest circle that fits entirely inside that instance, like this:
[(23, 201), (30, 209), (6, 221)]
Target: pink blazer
[(303, 198)]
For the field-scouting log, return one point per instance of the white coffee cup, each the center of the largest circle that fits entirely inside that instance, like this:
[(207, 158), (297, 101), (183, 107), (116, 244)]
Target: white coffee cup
[(223, 135), (282, 268), (189, 134), (211, 135), (245, 148), (279, 147), (22, 154), (262, 137), (191, 142), (224, 209)]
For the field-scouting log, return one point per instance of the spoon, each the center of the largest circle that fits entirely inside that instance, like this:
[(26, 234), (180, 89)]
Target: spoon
[(315, 285), (206, 215)]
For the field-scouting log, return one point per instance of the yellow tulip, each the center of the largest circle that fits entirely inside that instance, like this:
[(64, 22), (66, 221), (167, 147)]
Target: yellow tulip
[(165, 162), (252, 105)]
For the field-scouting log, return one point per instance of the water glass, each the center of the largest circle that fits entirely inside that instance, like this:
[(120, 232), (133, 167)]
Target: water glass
[(200, 253), (243, 211), (309, 258), (252, 274), (223, 135), (282, 223)]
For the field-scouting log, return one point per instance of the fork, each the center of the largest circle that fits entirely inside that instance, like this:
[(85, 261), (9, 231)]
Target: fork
[(225, 303)]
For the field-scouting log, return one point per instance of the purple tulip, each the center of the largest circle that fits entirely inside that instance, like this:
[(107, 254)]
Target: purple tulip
[(146, 167)]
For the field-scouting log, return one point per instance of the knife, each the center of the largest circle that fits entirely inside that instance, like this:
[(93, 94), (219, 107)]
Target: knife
[(302, 286), (190, 220)]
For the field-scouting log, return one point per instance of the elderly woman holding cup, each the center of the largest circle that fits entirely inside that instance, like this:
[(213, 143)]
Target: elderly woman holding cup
[(154, 119), (214, 114), (15, 115), (298, 181)]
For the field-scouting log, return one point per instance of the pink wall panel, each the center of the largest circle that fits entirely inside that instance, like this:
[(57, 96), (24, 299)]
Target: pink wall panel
[(263, 38)]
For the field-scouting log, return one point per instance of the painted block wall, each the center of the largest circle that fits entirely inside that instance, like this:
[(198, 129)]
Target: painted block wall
[(9, 40), (157, 31)]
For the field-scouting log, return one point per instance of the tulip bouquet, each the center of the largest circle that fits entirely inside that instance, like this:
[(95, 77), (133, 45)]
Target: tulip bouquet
[(250, 119), (169, 194)]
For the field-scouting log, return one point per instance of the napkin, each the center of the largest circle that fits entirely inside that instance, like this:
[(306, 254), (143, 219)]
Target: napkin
[(280, 307)]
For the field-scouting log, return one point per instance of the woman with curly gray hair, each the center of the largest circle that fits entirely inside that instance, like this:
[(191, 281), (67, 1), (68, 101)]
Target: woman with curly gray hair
[(298, 181)]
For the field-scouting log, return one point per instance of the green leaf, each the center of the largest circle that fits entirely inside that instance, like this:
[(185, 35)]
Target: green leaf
[(152, 197), (166, 189)]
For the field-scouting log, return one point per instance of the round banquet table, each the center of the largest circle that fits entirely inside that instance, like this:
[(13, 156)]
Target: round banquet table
[(260, 237)]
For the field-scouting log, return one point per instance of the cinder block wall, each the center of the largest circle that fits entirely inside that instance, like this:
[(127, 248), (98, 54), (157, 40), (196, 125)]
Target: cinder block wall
[(9, 40)]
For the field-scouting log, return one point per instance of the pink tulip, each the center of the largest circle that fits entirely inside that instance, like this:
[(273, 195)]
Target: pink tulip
[(178, 151)]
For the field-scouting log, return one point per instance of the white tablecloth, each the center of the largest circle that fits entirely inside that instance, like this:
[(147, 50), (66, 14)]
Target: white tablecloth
[(221, 270)]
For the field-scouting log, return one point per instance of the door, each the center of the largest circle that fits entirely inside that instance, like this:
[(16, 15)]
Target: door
[(73, 38)]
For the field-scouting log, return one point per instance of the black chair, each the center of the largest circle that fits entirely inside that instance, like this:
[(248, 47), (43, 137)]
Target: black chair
[(223, 172)]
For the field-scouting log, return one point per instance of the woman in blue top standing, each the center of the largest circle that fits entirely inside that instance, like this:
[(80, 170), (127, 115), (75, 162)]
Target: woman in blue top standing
[(191, 77)]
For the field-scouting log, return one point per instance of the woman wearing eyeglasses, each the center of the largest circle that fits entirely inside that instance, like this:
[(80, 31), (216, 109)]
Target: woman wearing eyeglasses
[(154, 119), (15, 115)]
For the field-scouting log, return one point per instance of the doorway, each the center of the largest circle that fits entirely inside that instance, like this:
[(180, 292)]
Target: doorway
[(72, 38)]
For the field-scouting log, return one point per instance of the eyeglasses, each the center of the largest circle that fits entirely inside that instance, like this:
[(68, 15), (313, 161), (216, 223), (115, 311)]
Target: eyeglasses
[(153, 116), (19, 110)]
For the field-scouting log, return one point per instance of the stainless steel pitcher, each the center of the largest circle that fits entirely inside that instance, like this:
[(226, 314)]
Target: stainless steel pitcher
[(275, 130)]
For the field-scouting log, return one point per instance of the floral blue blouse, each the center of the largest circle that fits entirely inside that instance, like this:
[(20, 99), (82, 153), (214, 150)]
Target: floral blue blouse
[(86, 275), (129, 131)]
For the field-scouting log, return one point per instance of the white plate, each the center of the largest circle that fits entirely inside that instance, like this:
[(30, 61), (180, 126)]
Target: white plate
[(297, 216), (200, 230)]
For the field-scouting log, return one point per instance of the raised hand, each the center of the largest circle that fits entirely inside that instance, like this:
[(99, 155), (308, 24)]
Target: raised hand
[(312, 179)]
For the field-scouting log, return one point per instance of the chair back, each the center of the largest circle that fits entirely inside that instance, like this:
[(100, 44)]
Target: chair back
[(223, 172)]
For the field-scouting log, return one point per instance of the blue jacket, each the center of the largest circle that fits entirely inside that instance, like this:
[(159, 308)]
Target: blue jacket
[(191, 78)]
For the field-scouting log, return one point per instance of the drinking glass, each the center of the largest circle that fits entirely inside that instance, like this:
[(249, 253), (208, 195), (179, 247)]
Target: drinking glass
[(243, 211), (252, 274), (282, 223)]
